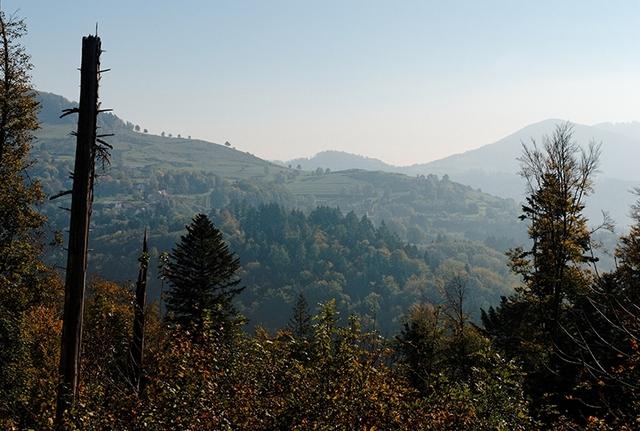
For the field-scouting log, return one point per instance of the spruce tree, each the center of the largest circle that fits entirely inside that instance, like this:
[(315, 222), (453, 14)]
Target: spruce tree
[(300, 322), (301, 327), (202, 274)]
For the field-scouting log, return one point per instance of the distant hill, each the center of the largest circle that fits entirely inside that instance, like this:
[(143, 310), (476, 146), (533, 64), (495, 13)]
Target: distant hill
[(340, 161), (630, 129), (204, 172), (619, 152), (201, 172), (135, 149), (494, 168), (160, 182), (51, 106)]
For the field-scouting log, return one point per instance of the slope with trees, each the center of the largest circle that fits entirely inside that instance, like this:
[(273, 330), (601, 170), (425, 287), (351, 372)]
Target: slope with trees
[(448, 220)]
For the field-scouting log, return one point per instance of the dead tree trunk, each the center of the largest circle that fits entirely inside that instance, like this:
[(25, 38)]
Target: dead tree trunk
[(81, 200), (137, 342)]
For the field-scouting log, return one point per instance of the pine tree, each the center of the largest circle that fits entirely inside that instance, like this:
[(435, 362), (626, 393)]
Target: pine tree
[(202, 273), (301, 327), (300, 322)]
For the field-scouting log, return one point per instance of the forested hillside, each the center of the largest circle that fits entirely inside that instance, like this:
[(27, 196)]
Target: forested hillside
[(160, 182), (366, 270), (200, 175)]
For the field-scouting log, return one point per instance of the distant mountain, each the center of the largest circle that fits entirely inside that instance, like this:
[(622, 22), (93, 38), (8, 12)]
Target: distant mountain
[(630, 129), (494, 168), (619, 152), (340, 161), (159, 183), (196, 174)]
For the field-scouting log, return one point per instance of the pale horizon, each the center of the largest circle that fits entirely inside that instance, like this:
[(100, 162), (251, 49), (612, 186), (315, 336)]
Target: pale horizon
[(288, 80)]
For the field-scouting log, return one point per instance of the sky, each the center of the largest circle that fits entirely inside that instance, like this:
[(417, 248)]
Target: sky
[(403, 81)]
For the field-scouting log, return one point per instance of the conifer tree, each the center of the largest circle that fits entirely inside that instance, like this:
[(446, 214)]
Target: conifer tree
[(202, 273), (301, 327), (300, 322)]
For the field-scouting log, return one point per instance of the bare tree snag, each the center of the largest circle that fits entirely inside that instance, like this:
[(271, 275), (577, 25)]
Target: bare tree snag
[(137, 342), (81, 200)]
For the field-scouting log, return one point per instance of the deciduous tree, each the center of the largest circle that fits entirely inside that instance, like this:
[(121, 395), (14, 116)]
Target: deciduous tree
[(21, 272), (532, 325)]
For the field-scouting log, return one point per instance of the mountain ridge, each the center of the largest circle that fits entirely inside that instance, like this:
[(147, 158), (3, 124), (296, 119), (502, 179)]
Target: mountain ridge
[(494, 167), (491, 168)]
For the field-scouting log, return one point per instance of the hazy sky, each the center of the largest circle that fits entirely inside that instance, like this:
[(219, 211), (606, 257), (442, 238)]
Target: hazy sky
[(404, 81)]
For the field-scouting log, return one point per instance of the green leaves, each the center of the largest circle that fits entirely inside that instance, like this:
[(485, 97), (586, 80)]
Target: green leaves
[(23, 277)]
